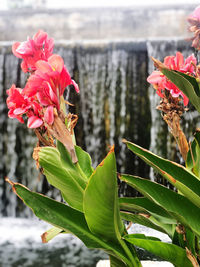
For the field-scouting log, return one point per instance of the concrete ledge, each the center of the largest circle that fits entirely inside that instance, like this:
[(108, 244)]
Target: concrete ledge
[(106, 263)]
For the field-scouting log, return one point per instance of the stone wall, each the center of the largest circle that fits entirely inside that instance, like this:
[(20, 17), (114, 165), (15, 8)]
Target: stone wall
[(96, 23)]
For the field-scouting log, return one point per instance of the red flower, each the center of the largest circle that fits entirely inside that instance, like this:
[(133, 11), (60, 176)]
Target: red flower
[(32, 50), (19, 104), (160, 82), (45, 86), (49, 81)]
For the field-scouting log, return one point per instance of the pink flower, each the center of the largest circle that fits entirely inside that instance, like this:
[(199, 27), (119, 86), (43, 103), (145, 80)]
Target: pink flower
[(41, 97), (49, 81), (160, 82), (32, 50), (19, 105), (194, 20)]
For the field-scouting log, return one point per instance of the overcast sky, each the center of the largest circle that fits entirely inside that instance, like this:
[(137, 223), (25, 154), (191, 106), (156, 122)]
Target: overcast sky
[(106, 3), (100, 3)]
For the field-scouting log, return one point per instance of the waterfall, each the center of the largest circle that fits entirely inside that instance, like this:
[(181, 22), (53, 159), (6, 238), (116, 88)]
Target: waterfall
[(115, 102)]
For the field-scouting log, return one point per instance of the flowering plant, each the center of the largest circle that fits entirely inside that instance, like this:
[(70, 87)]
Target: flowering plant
[(92, 210)]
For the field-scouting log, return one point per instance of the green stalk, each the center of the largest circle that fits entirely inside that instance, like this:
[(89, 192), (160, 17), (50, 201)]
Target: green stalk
[(132, 256)]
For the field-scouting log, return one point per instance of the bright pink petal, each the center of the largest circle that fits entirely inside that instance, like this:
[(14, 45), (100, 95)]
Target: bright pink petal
[(24, 66), (14, 48), (196, 13), (34, 122), (170, 62), (43, 66), (155, 77), (25, 48), (53, 96), (40, 37), (179, 60), (56, 62), (49, 115), (185, 100), (43, 99), (19, 111), (75, 86)]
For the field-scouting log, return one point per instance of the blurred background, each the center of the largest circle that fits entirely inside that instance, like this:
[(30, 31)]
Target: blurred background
[(106, 47)]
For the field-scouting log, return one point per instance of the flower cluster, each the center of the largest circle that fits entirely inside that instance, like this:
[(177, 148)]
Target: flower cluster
[(194, 20), (45, 86), (161, 83)]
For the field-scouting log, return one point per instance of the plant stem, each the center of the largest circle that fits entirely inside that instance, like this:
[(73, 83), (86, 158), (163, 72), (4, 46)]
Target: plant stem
[(132, 255)]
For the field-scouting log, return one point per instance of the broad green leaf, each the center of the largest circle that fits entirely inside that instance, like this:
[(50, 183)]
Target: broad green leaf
[(101, 200), (101, 206), (66, 218), (83, 166), (177, 205), (62, 173), (147, 221), (144, 205), (187, 84), (142, 236), (168, 252), (176, 174), (84, 161)]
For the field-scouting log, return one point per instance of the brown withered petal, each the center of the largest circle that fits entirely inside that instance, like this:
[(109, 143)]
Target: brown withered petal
[(59, 131), (191, 258)]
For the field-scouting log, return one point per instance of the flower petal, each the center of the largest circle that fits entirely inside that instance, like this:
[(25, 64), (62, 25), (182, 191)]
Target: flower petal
[(56, 62), (34, 122), (40, 37), (14, 48), (43, 66), (75, 86), (155, 77), (49, 115)]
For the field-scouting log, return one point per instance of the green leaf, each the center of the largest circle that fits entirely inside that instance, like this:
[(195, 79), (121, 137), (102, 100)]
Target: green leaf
[(177, 205), (168, 252), (187, 84), (101, 206), (176, 174), (84, 161), (142, 236), (63, 174), (193, 156), (190, 241), (115, 262), (147, 221), (66, 218), (101, 201), (144, 205)]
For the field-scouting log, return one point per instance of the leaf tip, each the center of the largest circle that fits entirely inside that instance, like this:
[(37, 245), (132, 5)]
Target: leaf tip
[(44, 237), (158, 64), (11, 183)]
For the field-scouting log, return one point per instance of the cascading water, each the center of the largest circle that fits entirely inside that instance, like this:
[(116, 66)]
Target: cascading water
[(114, 103)]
